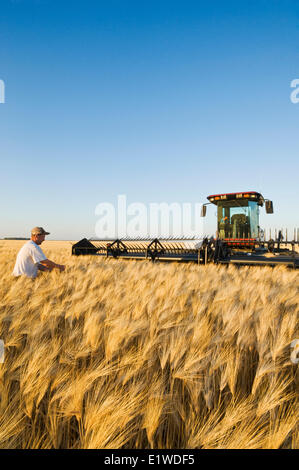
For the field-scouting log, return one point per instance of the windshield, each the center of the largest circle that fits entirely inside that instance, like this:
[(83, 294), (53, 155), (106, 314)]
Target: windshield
[(238, 219)]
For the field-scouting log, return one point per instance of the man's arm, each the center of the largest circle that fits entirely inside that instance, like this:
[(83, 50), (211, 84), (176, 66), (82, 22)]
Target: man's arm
[(50, 265), (43, 268)]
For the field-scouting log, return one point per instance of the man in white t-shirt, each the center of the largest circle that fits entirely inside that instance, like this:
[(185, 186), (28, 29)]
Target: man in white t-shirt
[(31, 258)]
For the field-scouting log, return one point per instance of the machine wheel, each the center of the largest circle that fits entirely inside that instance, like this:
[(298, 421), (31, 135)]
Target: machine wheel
[(271, 245)]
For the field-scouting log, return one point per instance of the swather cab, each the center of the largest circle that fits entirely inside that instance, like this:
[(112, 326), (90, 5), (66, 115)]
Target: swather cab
[(238, 217)]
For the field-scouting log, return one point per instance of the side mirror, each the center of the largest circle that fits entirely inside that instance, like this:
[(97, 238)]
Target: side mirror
[(269, 207), (203, 210)]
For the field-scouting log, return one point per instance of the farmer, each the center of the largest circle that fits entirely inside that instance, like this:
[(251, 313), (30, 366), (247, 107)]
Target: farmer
[(31, 258)]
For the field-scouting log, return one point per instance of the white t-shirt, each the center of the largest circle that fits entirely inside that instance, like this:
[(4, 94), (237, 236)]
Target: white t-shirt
[(27, 260)]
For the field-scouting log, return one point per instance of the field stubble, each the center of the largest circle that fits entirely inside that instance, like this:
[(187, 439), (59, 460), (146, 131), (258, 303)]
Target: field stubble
[(129, 354)]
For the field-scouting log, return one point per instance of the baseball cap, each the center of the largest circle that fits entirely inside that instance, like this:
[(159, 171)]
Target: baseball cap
[(39, 231)]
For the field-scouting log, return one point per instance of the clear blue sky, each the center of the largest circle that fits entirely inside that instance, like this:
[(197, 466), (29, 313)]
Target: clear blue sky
[(164, 101)]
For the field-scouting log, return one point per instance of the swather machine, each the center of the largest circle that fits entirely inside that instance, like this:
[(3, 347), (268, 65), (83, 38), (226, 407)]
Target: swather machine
[(239, 239)]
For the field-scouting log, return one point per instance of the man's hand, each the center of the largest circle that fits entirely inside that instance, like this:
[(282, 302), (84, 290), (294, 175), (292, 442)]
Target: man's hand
[(61, 267)]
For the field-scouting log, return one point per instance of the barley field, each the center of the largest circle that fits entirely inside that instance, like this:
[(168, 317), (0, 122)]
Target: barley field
[(130, 354)]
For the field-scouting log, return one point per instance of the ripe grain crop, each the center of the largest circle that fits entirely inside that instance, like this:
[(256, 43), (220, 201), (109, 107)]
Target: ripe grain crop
[(131, 354)]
